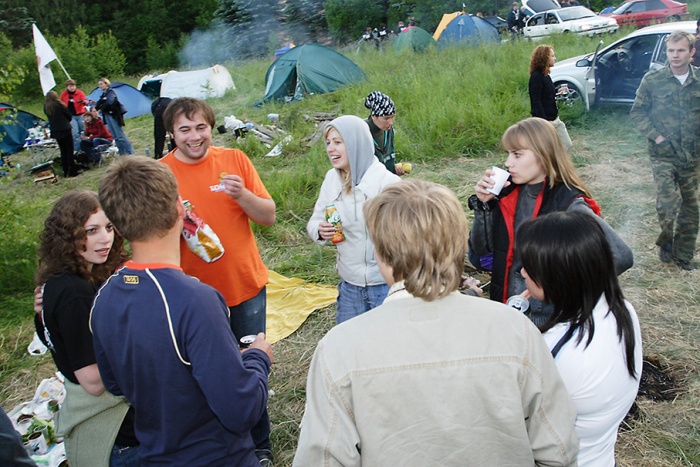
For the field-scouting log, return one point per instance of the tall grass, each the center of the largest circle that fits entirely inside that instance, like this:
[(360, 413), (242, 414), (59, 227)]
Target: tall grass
[(453, 106)]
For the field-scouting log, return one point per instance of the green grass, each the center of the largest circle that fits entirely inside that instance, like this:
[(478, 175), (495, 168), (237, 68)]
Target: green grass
[(453, 106)]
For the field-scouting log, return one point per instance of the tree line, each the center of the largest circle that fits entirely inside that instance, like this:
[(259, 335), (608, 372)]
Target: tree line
[(114, 37)]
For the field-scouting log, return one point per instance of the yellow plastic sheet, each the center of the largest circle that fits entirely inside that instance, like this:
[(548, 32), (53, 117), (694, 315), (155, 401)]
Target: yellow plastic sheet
[(290, 301)]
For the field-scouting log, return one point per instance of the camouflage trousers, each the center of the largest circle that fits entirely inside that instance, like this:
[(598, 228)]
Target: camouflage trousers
[(677, 205)]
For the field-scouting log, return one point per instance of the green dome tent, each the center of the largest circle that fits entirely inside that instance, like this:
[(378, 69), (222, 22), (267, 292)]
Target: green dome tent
[(309, 69), (414, 38)]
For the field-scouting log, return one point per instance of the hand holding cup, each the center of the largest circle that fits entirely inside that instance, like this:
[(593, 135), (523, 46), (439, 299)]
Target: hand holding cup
[(491, 184)]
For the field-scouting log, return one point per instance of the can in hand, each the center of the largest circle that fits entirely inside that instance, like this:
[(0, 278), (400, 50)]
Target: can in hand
[(333, 217), (245, 341)]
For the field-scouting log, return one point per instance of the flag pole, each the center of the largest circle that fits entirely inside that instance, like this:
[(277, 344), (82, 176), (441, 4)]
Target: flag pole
[(62, 67)]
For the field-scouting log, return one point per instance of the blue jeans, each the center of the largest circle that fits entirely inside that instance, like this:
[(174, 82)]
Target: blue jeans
[(88, 147), (119, 136), (354, 300), (248, 318), (77, 125), (124, 456)]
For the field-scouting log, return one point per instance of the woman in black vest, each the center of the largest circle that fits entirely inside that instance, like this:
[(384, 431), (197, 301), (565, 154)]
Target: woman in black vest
[(542, 180), (59, 121)]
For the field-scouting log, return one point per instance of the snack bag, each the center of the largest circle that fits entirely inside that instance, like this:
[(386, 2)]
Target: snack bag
[(200, 238)]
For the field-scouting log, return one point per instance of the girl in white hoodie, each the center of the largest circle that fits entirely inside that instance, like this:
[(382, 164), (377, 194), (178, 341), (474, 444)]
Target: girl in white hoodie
[(356, 176)]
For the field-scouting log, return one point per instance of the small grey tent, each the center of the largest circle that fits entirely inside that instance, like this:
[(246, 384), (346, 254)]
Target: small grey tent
[(309, 69), (136, 102)]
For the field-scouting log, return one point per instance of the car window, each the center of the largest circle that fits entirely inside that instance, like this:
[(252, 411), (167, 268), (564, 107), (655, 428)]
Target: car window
[(655, 5), (661, 58), (577, 12), (536, 20), (622, 8), (637, 7), (552, 18)]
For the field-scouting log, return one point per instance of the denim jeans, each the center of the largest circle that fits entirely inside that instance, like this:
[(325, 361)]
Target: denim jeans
[(77, 125), (119, 136), (354, 300), (248, 318), (124, 456)]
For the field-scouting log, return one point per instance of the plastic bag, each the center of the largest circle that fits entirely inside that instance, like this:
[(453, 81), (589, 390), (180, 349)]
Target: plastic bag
[(200, 238)]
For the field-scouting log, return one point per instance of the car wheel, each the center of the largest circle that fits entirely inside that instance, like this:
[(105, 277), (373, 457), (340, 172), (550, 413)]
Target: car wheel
[(672, 19), (571, 97)]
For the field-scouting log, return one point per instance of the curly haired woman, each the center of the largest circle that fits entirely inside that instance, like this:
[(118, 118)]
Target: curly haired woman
[(79, 249), (543, 102)]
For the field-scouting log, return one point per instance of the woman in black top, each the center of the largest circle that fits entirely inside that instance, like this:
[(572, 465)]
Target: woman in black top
[(79, 249), (59, 121), (543, 103)]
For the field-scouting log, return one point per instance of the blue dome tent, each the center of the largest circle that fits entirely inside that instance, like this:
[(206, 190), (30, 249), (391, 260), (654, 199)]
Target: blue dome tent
[(467, 29), (136, 102)]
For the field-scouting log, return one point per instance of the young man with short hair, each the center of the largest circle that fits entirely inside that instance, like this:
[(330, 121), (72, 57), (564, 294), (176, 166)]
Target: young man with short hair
[(226, 192), (666, 111), (432, 377), (162, 338)]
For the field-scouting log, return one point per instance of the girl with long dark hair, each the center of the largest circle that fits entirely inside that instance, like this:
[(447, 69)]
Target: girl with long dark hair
[(593, 332), (60, 123)]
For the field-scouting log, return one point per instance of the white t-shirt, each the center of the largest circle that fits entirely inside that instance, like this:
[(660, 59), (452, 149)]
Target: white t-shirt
[(598, 382)]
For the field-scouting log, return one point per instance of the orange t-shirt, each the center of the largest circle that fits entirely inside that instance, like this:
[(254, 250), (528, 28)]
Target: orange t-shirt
[(240, 273)]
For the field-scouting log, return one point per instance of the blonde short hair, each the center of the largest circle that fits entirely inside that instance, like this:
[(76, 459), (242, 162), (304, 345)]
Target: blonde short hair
[(539, 136), (106, 81), (139, 195), (419, 229)]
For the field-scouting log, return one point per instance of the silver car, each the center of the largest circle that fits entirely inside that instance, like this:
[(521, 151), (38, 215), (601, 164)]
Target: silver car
[(612, 74), (577, 20)]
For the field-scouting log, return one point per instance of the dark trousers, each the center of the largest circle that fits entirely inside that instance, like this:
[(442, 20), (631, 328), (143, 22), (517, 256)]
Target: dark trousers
[(65, 144), (158, 126), (248, 318)]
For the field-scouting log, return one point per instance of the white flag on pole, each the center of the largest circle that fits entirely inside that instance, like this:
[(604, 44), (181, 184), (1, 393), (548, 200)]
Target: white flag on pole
[(44, 56)]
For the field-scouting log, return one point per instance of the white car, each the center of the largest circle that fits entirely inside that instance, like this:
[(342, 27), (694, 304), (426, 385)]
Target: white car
[(612, 74), (575, 20)]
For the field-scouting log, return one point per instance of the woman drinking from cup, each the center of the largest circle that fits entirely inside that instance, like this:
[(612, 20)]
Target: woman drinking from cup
[(542, 180)]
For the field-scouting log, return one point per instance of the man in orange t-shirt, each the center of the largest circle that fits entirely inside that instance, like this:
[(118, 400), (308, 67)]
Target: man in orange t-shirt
[(226, 192)]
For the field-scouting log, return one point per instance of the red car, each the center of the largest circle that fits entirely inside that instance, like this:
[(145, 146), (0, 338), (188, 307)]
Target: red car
[(645, 12)]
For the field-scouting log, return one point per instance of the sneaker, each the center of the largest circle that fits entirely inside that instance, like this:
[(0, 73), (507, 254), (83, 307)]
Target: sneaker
[(685, 265), (666, 252)]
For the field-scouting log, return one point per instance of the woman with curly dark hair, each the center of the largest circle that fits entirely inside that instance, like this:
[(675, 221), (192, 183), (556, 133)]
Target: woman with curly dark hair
[(59, 121), (79, 249), (543, 102)]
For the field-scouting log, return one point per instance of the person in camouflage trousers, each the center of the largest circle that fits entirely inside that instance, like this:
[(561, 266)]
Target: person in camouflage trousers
[(667, 111)]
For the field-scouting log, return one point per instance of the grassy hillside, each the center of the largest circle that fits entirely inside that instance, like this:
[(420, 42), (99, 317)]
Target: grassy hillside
[(453, 106)]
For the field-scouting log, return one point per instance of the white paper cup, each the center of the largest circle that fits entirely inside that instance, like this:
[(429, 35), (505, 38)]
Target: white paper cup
[(500, 177)]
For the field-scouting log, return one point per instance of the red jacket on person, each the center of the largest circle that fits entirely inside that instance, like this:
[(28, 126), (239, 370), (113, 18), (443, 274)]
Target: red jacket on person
[(79, 100), (97, 129)]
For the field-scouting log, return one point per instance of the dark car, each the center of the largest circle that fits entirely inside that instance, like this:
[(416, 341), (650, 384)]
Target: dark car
[(645, 12)]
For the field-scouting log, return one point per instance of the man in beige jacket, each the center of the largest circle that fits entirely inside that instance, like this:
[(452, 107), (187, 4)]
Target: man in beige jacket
[(432, 377)]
